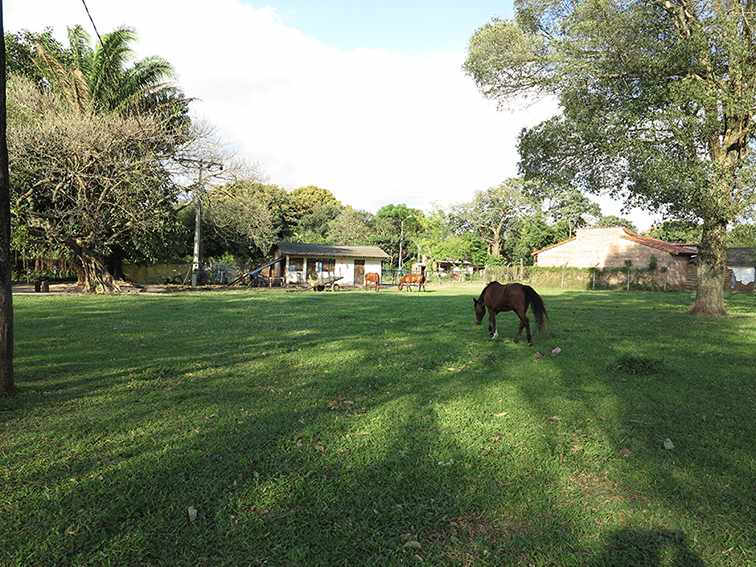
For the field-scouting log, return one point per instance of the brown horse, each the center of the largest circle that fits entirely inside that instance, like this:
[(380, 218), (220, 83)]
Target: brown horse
[(413, 279), (512, 297), (373, 278)]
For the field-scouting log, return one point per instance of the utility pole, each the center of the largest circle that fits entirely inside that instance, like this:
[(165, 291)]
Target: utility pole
[(197, 198), (7, 384), (197, 228), (401, 242)]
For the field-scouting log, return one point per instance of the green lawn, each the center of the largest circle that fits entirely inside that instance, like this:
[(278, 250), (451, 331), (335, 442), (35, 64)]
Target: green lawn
[(377, 429)]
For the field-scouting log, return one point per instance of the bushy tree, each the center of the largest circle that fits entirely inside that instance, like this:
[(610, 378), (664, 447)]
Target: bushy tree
[(351, 227), (532, 233), (21, 53), (742, 236), (313, 208), (606, 221), (492, 213), (87, 182), (237, 215), (398, 226), (658, 100), (438, 241), (687, 232)]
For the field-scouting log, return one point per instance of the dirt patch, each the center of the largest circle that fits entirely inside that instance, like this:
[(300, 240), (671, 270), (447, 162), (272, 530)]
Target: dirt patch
[(599, 487), (471, 536)]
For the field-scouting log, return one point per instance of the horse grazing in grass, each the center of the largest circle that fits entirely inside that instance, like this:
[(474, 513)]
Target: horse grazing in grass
[(413, 279), (373, 278), (511, 297)]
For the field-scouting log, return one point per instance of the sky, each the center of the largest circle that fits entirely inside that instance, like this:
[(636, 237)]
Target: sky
[(366, 98)]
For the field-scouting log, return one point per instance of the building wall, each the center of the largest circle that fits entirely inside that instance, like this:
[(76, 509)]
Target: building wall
[(373, 265), (345, 267), (608, 248)]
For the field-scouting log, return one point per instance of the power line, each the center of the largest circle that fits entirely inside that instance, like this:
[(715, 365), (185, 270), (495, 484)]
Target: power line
[(91, 20)]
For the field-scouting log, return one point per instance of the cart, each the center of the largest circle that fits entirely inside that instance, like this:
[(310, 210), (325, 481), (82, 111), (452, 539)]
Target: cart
[(329, 283)]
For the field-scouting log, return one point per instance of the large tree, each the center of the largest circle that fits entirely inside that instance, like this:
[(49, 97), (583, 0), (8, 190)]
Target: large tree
[(658, 99), (492, 213), (396, 229), (88, 182), (352, 227), (313, 208), (239, 217)]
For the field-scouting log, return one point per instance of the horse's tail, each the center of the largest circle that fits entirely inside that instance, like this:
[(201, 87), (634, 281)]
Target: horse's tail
[(536, 304)]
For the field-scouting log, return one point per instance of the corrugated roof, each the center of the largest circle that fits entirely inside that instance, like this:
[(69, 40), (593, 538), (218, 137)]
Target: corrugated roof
[(743, 257), (325, 250)]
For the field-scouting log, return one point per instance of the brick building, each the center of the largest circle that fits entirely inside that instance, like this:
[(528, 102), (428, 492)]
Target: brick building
[(611, 247)]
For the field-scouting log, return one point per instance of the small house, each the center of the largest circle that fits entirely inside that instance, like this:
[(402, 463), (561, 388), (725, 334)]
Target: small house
[(304, 262), (741, 269), (613, 247)]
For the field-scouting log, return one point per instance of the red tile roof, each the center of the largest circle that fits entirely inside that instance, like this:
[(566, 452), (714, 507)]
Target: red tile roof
[(669, 247), (676, 249), (553, 245)]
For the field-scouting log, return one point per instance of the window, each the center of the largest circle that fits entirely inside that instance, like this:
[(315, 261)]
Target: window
[(296, 264), (320, 267)]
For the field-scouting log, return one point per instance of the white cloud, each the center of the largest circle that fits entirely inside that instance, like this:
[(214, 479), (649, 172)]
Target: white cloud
[(374, 126)]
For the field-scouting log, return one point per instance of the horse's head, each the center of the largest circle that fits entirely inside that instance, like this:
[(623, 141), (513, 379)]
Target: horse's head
[(480, 310)]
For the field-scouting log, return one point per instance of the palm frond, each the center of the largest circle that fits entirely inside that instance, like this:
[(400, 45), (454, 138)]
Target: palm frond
[(81, 51), (109, 61)]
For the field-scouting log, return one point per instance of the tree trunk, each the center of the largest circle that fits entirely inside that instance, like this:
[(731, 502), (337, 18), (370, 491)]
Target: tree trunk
[(496, 243), (712, 263), (94, 277), (7, 385)]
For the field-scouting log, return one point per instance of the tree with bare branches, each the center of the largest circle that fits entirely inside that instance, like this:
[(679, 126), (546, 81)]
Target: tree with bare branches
[(88, 182)]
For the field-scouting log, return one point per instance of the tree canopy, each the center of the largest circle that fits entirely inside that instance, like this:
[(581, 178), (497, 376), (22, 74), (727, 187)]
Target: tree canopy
[(493, 212), (657, 103), (87, 183)]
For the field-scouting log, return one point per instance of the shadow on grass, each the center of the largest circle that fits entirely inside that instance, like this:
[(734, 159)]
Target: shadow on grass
[(351, 428)]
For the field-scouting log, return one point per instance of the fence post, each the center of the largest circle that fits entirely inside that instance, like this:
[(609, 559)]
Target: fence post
[(593, 280), (561, 284)]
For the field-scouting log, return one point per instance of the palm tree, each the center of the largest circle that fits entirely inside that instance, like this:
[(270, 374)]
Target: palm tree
[(104, 78)]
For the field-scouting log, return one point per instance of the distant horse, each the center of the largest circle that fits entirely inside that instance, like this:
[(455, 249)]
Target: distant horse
[(413, 279), (512, 297), (372, 278)]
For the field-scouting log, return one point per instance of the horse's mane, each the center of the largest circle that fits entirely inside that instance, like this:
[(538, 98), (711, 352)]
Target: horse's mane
[(480, 298)]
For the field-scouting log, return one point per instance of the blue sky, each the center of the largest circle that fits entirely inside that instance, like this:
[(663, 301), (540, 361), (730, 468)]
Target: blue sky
[(407, 25)]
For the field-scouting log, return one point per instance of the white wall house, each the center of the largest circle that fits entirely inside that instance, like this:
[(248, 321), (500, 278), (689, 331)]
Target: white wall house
[(303, 261)]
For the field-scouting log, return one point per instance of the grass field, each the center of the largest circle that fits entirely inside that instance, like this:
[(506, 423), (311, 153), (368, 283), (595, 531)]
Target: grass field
[(378, 429)]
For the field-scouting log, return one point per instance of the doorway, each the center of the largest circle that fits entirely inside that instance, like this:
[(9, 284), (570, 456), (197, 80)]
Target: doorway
[(359, 272)]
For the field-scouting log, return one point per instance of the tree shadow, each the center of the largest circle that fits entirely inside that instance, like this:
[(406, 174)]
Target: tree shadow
[(348, 428), (647, 548)]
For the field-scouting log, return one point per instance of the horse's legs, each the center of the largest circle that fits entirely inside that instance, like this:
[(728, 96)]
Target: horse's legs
[(493, 333), (519, 330), (526, 321)]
